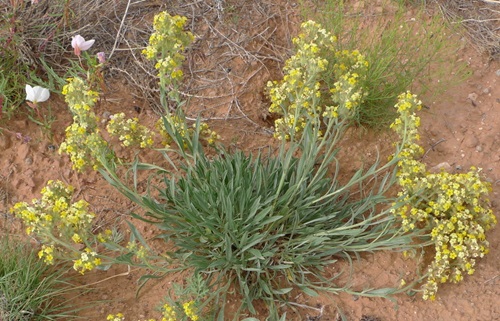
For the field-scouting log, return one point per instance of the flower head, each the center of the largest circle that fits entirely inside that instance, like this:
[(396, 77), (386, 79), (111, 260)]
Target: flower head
[(79, 44), (101, 56), (37, 94)]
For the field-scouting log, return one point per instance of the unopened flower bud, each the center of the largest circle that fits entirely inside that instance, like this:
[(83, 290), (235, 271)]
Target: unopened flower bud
[(101, 56)]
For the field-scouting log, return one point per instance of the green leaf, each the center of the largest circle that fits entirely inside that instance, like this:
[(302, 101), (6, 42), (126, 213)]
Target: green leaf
[(125, 258), (256, 254), (282, 291), (308, 291)]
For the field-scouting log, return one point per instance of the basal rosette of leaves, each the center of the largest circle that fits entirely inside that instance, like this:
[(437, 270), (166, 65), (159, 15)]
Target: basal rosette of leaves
[(453, 209), (269, 223)]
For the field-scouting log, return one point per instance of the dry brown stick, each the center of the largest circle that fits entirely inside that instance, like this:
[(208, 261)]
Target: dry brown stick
[(477, 20), (432, 146), (119, 29), (491, 279), (234, 45)]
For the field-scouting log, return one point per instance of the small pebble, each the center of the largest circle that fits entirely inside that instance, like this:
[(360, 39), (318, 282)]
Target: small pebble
[(28, 160), (458, 167), (4, 142), (479, 148), (498, 72), (441, 167), (105, 116), (472, 97)]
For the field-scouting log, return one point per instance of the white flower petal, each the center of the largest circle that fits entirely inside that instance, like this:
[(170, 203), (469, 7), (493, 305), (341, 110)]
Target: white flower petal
[(37, 90), (76, 41), (30, 93), (39, 95), (86, 45), (43, 94)]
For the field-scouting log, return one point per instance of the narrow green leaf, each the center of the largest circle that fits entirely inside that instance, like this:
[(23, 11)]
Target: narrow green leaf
[(256, 254), (308, 291), (282, 291)]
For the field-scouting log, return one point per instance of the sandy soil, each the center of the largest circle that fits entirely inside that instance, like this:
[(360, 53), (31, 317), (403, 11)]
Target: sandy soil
[(461, 127)]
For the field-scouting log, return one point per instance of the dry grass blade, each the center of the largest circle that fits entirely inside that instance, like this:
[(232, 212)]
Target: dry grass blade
[(231, 54), (480, 20)]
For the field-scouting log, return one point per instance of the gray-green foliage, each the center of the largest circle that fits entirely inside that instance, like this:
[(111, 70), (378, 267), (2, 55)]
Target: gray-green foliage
[(268, 223), (29, 289)]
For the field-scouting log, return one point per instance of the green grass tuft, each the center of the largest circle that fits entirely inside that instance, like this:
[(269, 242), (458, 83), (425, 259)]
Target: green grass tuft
[(29, 289), (406, 52)]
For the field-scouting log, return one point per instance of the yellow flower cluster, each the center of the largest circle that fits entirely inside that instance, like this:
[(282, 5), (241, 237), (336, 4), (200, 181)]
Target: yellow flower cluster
[(83, 143), (104, 237), (207, 134), (453, 207), (300, 97), (347, 93), (129, 131), (87, 262), (56, 220), (165, 46), (169, 313), (115, 317), (139, 251), (297, 96), (176, 123), (190, 310), (47, 254), (179, 126), (407, 125), (55, 214)]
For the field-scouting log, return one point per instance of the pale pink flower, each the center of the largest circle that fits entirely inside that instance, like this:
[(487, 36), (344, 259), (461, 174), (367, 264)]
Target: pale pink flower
[(79, 44), (101, 56)]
